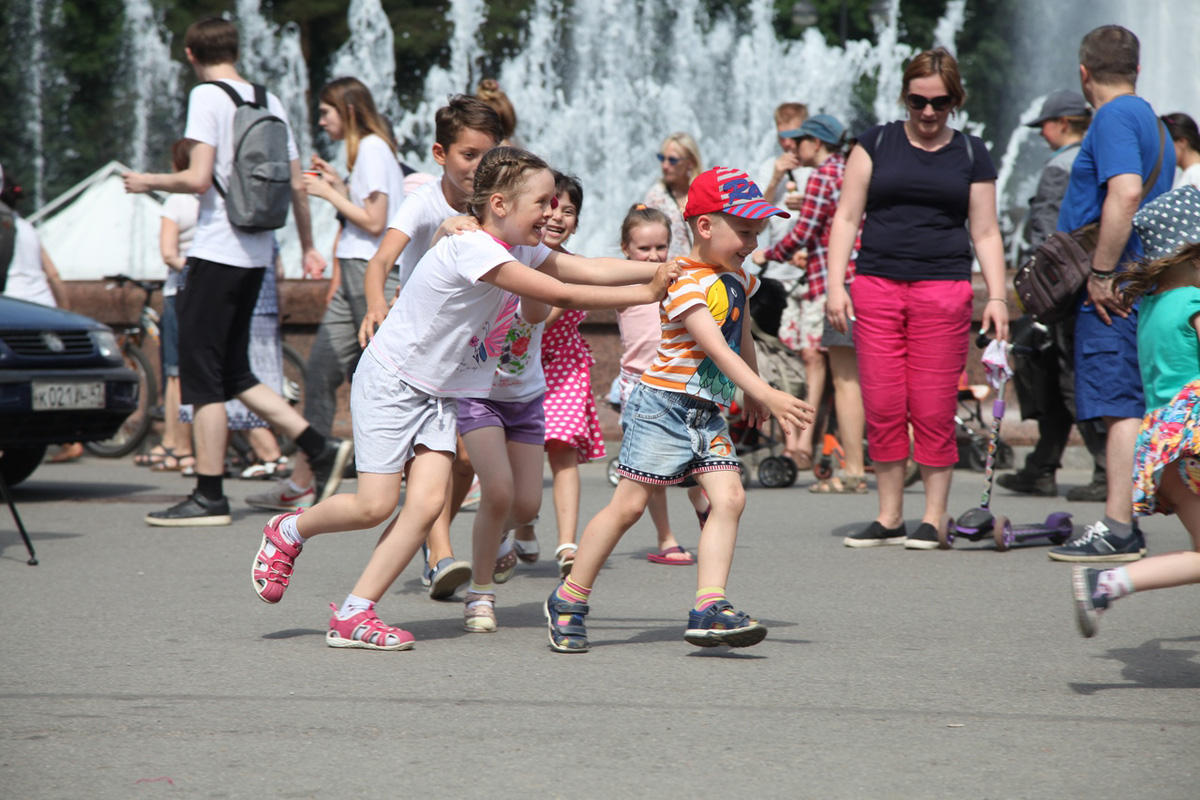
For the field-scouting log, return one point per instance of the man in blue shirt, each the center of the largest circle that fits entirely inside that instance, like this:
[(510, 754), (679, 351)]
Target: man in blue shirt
[(1123, 150)]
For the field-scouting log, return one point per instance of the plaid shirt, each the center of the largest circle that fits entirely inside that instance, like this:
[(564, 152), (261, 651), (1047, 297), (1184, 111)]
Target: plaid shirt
[(815, 219)]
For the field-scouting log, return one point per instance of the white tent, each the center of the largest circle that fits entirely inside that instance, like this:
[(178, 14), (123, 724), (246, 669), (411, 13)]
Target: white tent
[(95, 229)]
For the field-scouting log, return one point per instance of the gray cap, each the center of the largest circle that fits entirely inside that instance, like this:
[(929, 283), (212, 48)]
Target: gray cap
[(1063, 103)]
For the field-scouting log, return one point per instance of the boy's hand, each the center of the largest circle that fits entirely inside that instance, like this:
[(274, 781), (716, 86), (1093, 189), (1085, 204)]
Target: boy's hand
[(759, 258), (135, 182), (314, 264), (756, 413), (667, 273), (371, 322), (793, 413)]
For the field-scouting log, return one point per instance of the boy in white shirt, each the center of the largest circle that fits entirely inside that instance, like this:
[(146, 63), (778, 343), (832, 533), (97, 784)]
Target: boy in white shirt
[(226, 270)]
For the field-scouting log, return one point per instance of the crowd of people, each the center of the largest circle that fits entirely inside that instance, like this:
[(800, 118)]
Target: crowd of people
[(455, 310)]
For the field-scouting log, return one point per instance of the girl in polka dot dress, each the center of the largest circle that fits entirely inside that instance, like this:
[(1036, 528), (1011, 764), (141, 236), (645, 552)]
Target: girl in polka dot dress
[(573, 432)]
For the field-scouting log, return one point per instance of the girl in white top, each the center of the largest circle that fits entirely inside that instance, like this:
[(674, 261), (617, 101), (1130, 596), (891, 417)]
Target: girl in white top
[(441, 341)]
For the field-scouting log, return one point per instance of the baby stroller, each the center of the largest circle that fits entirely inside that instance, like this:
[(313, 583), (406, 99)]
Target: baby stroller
[(760, 448)]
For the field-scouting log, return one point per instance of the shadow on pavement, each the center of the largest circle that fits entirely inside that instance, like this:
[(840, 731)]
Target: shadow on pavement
[(1152, 666), (35, 491)]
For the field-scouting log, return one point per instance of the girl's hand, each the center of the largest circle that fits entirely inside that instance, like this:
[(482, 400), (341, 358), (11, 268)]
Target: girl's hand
[(995, 318), (793, 413), (666, 274), (759, 258), (840, 311), (316, 186), (371, 322), (329, 174), (454, 226), (135, 182)]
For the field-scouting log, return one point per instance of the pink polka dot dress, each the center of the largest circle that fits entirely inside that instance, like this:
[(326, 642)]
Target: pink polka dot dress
[(570, 409)]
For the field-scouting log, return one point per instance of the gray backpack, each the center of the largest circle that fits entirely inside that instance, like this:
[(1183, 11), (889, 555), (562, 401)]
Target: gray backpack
[(260, 182)]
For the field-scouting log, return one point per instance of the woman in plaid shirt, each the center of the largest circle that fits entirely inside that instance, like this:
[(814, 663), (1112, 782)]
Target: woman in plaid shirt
[(819, 143)]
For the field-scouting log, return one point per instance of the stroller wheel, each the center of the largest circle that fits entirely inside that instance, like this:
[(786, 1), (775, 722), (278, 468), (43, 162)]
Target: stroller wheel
[(613, 477), (774, 472)]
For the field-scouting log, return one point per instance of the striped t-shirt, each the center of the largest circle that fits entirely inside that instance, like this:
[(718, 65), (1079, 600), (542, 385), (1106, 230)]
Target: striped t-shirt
[(680, 365)]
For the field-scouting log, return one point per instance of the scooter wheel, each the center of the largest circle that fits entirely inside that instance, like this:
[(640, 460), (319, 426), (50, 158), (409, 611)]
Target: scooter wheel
[(945, 534), (1002, 532), (1059, 538), (613, 476), (823, 468)]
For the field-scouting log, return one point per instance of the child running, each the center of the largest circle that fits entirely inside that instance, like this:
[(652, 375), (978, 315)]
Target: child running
[(646, 236), (1166, 471), (672, 422), (439, 341)]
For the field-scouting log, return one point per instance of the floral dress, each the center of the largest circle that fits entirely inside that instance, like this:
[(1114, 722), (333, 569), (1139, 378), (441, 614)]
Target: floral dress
[(570, 408), (1169, 433)]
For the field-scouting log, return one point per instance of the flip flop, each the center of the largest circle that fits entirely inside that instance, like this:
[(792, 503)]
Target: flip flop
[(662, 556)]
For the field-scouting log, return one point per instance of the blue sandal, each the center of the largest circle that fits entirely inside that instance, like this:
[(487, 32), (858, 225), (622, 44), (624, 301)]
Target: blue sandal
[(720, 624), (569, 638)]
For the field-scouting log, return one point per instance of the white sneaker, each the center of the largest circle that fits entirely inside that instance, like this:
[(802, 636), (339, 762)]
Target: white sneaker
[(281, 497)]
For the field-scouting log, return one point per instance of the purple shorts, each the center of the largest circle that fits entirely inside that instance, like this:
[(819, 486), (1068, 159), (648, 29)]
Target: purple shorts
[(522, 422)]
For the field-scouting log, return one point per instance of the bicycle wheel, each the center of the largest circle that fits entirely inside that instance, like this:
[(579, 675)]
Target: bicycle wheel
[(135, 427), (292, 390)]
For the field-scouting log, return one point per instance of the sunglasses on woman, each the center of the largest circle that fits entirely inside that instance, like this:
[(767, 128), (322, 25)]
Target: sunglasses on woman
[(666, 159), (917, 102)]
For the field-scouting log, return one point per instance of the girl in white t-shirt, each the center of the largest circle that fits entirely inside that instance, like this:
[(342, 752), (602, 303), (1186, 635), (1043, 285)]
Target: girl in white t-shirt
[(440, 341)]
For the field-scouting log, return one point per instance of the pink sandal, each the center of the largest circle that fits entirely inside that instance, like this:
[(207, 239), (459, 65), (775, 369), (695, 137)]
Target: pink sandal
[(270, 574), (365, 630), (664, 556)]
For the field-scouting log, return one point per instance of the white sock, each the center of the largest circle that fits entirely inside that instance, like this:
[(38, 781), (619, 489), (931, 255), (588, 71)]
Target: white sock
[(1115, 583), (289, 531), (506, 545), (353, 605), (294, 487)]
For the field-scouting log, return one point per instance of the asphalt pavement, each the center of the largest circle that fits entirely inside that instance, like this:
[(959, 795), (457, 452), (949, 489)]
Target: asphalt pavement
[(138, 663)]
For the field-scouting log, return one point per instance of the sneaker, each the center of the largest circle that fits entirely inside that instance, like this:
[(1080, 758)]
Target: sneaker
[(875, 535), (1098, 543), (270, 573), (569, 638), (479, 613), (506, 560), (281, 497), (1038, 484), (1094, 492), (195, 511), (471, 501), (328, 467), (366, 631), (720, 624), (925, 537), (444, 578), (1089, 602)]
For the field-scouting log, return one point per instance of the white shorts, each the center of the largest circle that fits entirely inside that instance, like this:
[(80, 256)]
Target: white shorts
[(391, 418)]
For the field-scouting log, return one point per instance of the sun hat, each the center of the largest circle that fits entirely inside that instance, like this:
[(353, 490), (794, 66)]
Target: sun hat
[(1169, 221), (729, 191), (1063, 103)]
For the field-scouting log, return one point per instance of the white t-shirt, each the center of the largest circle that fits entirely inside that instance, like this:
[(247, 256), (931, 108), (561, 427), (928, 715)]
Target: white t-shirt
[(210, 120), (1187, 177), (446, 331), (375, 170), (519, 376), (26, 278), (182, 209), (418, 218)]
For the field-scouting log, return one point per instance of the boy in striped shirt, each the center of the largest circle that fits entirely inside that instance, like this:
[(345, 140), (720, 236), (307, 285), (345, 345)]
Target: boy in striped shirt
[(672, 422)]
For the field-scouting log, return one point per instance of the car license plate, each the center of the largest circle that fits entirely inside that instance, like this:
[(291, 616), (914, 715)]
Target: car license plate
[(60, 396)]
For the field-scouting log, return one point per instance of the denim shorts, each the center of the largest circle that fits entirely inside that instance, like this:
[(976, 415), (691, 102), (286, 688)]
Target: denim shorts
[(523, 422), (169, 338), (670, 435)]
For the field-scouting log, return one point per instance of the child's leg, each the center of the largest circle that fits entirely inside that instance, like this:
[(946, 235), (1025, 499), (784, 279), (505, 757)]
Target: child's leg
[(1181, 567), (526, 461), (564, 466), (727, 499), (461, 475), (376, 498), (657, 506), (606, 529), (489, 454), (427, 475)]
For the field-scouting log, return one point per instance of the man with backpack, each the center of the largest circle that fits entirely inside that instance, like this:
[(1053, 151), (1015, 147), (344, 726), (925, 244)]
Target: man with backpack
[(246, 169)]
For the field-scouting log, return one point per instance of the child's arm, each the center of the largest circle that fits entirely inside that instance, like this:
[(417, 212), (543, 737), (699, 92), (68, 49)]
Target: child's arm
[(375, 278), (793, 413), (571, 268), (536, 311), (553, 316), (371, 216), (515, 277)]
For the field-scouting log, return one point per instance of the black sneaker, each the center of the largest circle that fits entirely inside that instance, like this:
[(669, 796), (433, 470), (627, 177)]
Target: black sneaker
[(195, 511), (329, 467), (1094, 492), (925, 537), (875, 535), (1038, 484), (1098, 543), (1089, 601)]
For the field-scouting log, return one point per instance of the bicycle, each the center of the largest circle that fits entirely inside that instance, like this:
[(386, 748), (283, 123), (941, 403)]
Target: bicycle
[(136, 427)]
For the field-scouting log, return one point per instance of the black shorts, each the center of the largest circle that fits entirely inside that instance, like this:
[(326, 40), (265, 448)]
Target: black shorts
[(214, 307)]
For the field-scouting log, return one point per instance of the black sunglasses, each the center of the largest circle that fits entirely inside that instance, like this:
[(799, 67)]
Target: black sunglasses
[(917, 102), (672, 160)]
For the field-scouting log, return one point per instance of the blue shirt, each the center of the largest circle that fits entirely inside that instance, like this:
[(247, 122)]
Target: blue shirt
[(1123, 139)]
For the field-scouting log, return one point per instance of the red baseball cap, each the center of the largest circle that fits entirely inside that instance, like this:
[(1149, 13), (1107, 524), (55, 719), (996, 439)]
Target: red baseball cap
[(729, 191)]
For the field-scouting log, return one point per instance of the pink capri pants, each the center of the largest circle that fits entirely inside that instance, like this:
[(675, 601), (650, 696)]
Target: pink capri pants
[(911, 339)]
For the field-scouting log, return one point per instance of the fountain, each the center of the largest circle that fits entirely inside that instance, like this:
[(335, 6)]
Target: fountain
[(154, 82)]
